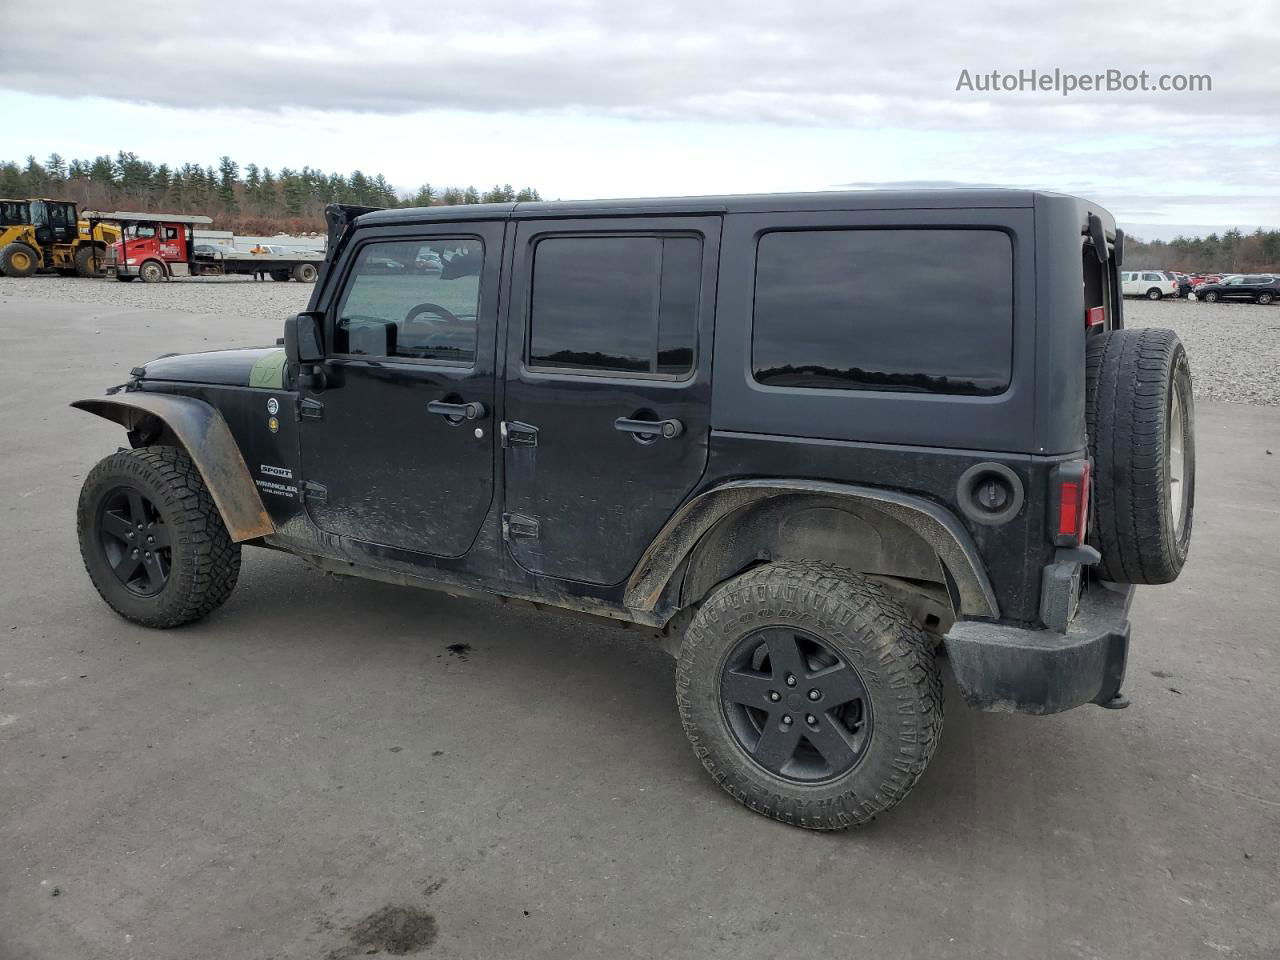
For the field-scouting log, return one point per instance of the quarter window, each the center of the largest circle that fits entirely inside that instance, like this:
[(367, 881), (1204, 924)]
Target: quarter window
[(415, 299), (615, 304), (917, 310)]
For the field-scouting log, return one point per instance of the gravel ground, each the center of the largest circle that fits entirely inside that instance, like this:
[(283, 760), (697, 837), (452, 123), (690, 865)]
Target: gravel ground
[(243, 296), (1234, 348)]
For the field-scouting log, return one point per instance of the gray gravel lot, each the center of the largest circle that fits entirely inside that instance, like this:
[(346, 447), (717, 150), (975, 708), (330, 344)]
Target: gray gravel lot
[(1234, 348), (274, 782)]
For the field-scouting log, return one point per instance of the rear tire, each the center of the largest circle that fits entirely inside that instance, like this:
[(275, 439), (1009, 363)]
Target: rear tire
[(1154, 294), (85, 261), (18, 260), (1140, 418), (1265, 298), (857, 660), (157, 493), (280, 276), (305, 273)]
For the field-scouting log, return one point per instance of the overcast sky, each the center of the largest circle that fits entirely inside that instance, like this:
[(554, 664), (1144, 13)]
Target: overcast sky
[(591, 99)]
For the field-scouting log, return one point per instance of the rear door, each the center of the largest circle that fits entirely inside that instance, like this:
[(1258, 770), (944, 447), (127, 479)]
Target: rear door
[(608, 370)]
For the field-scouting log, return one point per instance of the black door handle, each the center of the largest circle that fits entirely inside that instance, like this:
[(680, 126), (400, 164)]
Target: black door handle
[(457, 412), (650, 429)]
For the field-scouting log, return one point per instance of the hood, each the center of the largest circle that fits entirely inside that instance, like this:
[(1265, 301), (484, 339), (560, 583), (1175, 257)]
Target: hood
[(254, 367)]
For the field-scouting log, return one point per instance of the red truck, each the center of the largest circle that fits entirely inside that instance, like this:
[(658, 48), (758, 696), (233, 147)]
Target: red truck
[(158, 246)]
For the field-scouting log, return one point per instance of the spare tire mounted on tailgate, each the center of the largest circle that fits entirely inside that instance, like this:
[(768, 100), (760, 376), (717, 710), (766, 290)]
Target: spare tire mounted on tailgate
[(1141, 425)]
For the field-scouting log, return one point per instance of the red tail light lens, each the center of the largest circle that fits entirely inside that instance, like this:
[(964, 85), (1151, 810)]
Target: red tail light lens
[(1095, 316), (1073, 503)]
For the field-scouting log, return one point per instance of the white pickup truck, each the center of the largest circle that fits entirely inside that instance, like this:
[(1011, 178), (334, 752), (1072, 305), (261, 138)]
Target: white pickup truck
[(1151, 284)]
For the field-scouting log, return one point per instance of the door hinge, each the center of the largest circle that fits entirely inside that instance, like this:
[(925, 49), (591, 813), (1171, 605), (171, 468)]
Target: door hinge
[(515, 525), (313, 491), (309, 409), (517, 434)]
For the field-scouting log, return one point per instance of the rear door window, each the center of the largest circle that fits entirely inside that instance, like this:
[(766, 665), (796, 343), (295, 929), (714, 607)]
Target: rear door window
[(615, 304), (919, 310)]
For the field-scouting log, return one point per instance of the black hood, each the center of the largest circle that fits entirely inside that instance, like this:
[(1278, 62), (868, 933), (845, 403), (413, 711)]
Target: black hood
[(255, 366)]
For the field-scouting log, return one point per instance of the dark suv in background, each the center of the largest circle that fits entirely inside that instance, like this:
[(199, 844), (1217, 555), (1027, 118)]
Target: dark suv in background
[(1254, 288), (717, 418)]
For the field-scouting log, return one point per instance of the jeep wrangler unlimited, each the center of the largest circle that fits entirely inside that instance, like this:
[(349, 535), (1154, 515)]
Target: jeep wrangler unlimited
[(811, 440)]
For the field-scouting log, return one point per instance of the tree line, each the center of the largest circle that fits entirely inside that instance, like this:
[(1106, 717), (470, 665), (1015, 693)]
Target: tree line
[(248, 200), (258, 200), (1229, 252)]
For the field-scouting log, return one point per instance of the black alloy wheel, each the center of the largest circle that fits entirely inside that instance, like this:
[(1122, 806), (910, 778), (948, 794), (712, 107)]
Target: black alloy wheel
[(795, 706), (135, 540)]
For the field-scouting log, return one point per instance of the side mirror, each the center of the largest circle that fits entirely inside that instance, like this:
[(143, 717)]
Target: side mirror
[(303, 343), (304, 350)]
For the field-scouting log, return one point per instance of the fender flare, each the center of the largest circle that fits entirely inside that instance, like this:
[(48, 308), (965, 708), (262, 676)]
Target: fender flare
[(936, 525), (202, 431)]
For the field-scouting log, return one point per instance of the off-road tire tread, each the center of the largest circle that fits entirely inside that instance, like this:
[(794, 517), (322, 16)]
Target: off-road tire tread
[(16, 246), (897, 646), (1128, 379), (213, 558), (84, 257)]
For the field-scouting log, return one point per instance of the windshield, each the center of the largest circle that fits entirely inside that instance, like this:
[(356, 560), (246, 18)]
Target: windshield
[(13, 213)]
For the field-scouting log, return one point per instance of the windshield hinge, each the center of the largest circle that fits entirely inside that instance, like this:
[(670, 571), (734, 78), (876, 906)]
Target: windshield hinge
[(309, 409), (316, 492)]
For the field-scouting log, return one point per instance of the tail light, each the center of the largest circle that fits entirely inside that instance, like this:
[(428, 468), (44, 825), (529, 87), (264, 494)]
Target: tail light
[(1095, 316), (1070, 521)]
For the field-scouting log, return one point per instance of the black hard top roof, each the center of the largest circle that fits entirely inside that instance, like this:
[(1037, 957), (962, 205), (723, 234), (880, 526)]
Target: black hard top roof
[(956, 198)]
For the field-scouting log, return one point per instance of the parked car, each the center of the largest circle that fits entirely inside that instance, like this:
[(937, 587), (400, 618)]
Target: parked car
[(717, 418), (1257, 288), (1151, 284)]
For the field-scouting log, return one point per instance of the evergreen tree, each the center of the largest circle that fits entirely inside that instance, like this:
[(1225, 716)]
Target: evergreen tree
[(228, 173), (57, 167)]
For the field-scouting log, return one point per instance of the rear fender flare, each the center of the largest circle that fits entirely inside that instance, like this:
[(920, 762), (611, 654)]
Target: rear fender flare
[(937, 526), (207, 439)]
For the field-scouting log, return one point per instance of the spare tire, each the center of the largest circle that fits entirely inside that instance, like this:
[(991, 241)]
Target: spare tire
[(1141, 423)]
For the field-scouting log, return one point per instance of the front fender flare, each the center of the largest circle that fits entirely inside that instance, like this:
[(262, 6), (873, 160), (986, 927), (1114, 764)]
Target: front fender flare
[(939, 528), (202, 431)]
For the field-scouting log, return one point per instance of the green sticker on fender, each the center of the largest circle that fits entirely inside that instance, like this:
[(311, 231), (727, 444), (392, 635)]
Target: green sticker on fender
[(268, 371)]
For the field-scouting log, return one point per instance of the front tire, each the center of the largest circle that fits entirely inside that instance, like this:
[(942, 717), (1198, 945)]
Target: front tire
[(809, 694), (1210, 297), (151, 272), (152, 540), (18, 260)]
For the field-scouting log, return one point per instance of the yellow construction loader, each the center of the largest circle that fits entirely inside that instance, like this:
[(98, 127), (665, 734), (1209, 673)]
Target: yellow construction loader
[(44, 234)]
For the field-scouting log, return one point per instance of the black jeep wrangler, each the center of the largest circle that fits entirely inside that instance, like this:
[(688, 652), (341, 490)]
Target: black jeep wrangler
[(810, 440)]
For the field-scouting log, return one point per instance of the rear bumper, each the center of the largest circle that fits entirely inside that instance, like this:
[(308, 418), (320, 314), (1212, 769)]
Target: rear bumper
[(1015, 670)]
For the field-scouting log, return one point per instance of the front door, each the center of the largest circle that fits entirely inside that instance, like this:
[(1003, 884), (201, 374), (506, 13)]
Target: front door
[(397, 446), (607, 388)]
